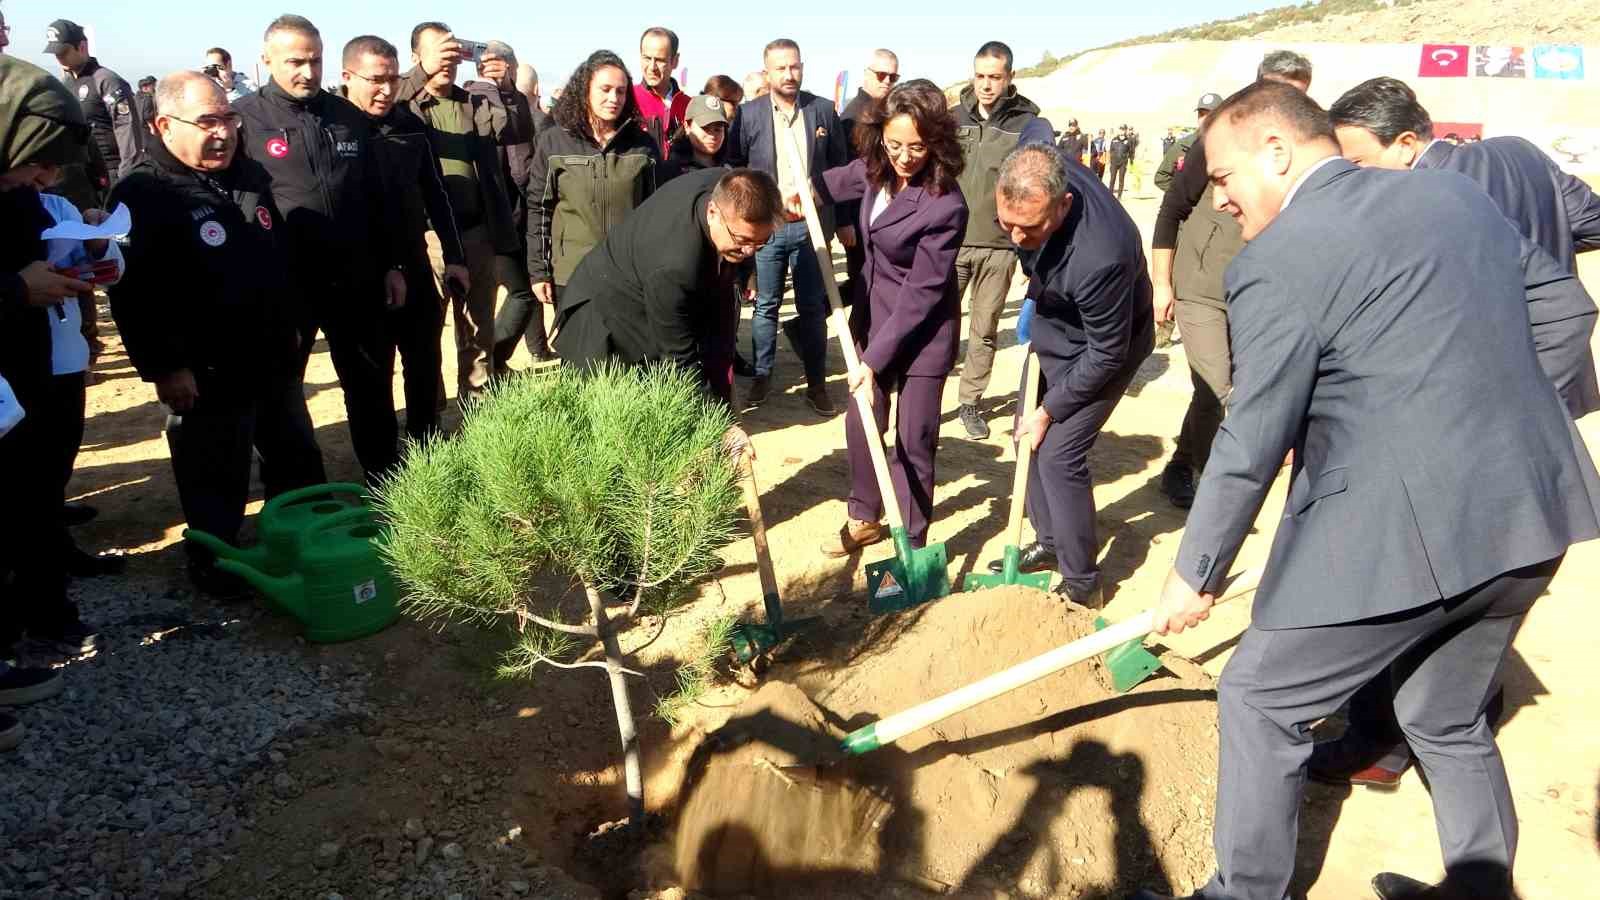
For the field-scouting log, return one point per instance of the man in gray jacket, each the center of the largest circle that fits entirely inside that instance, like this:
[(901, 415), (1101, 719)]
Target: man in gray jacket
[(1438, 482)]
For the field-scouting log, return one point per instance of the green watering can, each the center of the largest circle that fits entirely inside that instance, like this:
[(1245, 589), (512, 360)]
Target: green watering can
[(340, 587), (284, 523)]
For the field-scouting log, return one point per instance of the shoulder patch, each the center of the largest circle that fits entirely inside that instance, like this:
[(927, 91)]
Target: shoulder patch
[(212, 233)]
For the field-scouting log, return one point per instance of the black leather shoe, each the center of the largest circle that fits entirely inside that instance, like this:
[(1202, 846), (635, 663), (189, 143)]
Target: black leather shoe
[(1093, 598), (86, 565), (1036, 557), (1390, 886), (1177, 482), (73, 514)]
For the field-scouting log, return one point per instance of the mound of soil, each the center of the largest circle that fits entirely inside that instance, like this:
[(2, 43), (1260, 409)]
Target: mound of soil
[(1060, 788)]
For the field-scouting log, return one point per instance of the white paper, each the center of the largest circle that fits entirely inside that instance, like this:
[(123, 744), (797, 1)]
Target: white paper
[(120, 223)]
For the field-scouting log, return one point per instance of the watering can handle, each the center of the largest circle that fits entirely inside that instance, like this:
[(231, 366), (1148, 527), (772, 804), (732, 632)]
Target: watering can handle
[(847, 342), (891, 728), (310, 492), (350, 516)]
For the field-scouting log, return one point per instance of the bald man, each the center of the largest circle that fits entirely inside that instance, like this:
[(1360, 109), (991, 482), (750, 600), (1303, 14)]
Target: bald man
[(222, 352), (1353, 347)]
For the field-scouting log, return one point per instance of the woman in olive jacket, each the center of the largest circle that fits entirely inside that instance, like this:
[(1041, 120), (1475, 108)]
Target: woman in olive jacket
[(587, 173)]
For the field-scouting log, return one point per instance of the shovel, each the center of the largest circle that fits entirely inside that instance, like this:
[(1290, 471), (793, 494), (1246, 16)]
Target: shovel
[(749, 639), (891, 729), (915, 575), (1011, 561)]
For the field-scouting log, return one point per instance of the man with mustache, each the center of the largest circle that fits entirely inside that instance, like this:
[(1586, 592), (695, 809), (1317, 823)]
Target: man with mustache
[(346, 264), (221, 350)]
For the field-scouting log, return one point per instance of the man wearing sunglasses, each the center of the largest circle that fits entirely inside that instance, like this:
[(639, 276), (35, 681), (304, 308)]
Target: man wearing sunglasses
[(660, 286), (204, 316), (877, 79), (992, 119)]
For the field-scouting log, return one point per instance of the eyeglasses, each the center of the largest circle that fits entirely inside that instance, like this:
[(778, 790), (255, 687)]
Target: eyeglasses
[(912, 151), (225, 122), (743, 242), (890, 77), (381, 80)]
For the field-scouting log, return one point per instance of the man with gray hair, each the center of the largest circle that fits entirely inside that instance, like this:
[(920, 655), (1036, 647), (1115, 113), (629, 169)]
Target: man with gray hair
[(1285, 66), (1091, 330)]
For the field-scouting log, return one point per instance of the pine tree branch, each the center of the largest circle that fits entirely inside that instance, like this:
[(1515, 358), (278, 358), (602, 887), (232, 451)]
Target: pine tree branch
[(588, 631), (644, 565), (592, 664)]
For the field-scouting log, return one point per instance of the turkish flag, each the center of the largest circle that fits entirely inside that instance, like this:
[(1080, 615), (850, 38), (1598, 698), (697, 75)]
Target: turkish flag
[(1444, 61)]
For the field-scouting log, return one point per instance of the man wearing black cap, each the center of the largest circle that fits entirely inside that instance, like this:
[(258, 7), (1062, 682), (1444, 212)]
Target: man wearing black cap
[(107, 100), (1117, 153), (1073, 142), (1172, 159), (146, 101)]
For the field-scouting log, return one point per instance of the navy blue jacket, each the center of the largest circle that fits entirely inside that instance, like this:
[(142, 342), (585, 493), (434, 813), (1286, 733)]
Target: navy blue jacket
[(751, 142), (1092, 289), (1560, 214)]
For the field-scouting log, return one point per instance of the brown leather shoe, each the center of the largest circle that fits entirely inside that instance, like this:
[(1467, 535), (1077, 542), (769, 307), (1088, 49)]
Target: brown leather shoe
[(1352, 762), (853, 535)]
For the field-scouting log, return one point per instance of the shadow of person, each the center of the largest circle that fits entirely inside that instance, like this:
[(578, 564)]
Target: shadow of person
[(1028, 853)]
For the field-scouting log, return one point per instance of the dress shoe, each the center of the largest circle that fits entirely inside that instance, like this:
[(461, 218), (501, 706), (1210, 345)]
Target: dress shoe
[(1389, 886), (1091, 597), (973, 422), (854, 535), (821, 403), (1177, 482), (87, 565), (759, 387), (1346, 761), (74, 514), (1036, 557)]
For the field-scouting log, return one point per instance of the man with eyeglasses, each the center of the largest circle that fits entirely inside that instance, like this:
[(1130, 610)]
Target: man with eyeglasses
[(877, 79), (346, 261), (413, 179), (660, 286), (203, 313), (992, 119)]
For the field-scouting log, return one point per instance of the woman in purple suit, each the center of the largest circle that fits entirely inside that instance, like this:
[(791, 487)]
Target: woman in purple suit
[(912, 221)]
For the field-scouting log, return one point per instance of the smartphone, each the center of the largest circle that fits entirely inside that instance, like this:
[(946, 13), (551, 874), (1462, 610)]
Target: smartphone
[(472, 51)]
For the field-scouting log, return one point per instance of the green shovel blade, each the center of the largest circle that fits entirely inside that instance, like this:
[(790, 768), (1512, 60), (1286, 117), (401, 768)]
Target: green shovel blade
[(1010, 573), (750, 640), (1128, 663), (912, 578)]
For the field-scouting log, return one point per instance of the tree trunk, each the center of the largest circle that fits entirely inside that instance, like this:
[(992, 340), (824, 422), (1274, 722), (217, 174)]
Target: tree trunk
[(624, 710)]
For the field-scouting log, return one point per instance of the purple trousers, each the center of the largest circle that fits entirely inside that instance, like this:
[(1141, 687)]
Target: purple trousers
[(916, 440)]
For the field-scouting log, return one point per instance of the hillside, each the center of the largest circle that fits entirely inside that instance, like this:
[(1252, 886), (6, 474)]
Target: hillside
[(1387, 21)]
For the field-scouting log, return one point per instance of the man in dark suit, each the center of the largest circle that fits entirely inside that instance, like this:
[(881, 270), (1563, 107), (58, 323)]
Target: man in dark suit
[(1380, 123), (879, 77), (792, 116), (1437, 483), (1092, 328), (660, 286)]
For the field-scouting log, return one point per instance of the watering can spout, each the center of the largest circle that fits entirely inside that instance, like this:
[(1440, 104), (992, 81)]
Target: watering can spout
[(287, 591), (255, 557)]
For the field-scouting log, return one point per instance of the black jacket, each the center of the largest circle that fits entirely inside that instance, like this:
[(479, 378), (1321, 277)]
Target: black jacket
[(681, 160), (513, 123), (24, 328), (108, 103), (1073, 145), (318, 155), (1094, 319), (655, 289), (854, 112), (578, 190), (751, 141), (413, 181), (205, 286)]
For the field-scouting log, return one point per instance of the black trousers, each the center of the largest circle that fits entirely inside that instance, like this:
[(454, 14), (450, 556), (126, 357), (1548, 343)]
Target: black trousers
[(521, 315), (33, 574), (415, 331), (1118, 177), (363, 358), (211, 452)]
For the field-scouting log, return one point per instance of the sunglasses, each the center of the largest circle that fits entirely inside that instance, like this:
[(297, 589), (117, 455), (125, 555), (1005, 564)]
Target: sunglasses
[(890, 77)]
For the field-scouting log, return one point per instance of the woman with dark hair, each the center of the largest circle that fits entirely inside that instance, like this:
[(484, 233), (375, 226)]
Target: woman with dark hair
[(911, 223), (727, 90), (587, 173)]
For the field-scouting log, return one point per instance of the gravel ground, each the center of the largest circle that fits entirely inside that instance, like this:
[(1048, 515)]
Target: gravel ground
[(128, 783)]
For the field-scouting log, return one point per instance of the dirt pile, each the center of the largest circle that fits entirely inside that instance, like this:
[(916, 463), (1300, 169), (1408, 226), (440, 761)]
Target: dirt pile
[(1061, 788)]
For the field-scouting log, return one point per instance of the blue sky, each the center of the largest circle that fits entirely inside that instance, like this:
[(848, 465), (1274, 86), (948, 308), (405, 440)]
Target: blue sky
[(138, 37)]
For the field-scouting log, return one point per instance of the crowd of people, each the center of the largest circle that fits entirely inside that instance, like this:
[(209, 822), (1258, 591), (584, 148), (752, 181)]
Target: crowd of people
[(1417, 344)]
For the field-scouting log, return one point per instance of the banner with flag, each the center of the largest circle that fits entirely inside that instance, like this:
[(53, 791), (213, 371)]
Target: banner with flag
[(1444, 61), (1500, 62), (1560, 61), (841, 87)]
